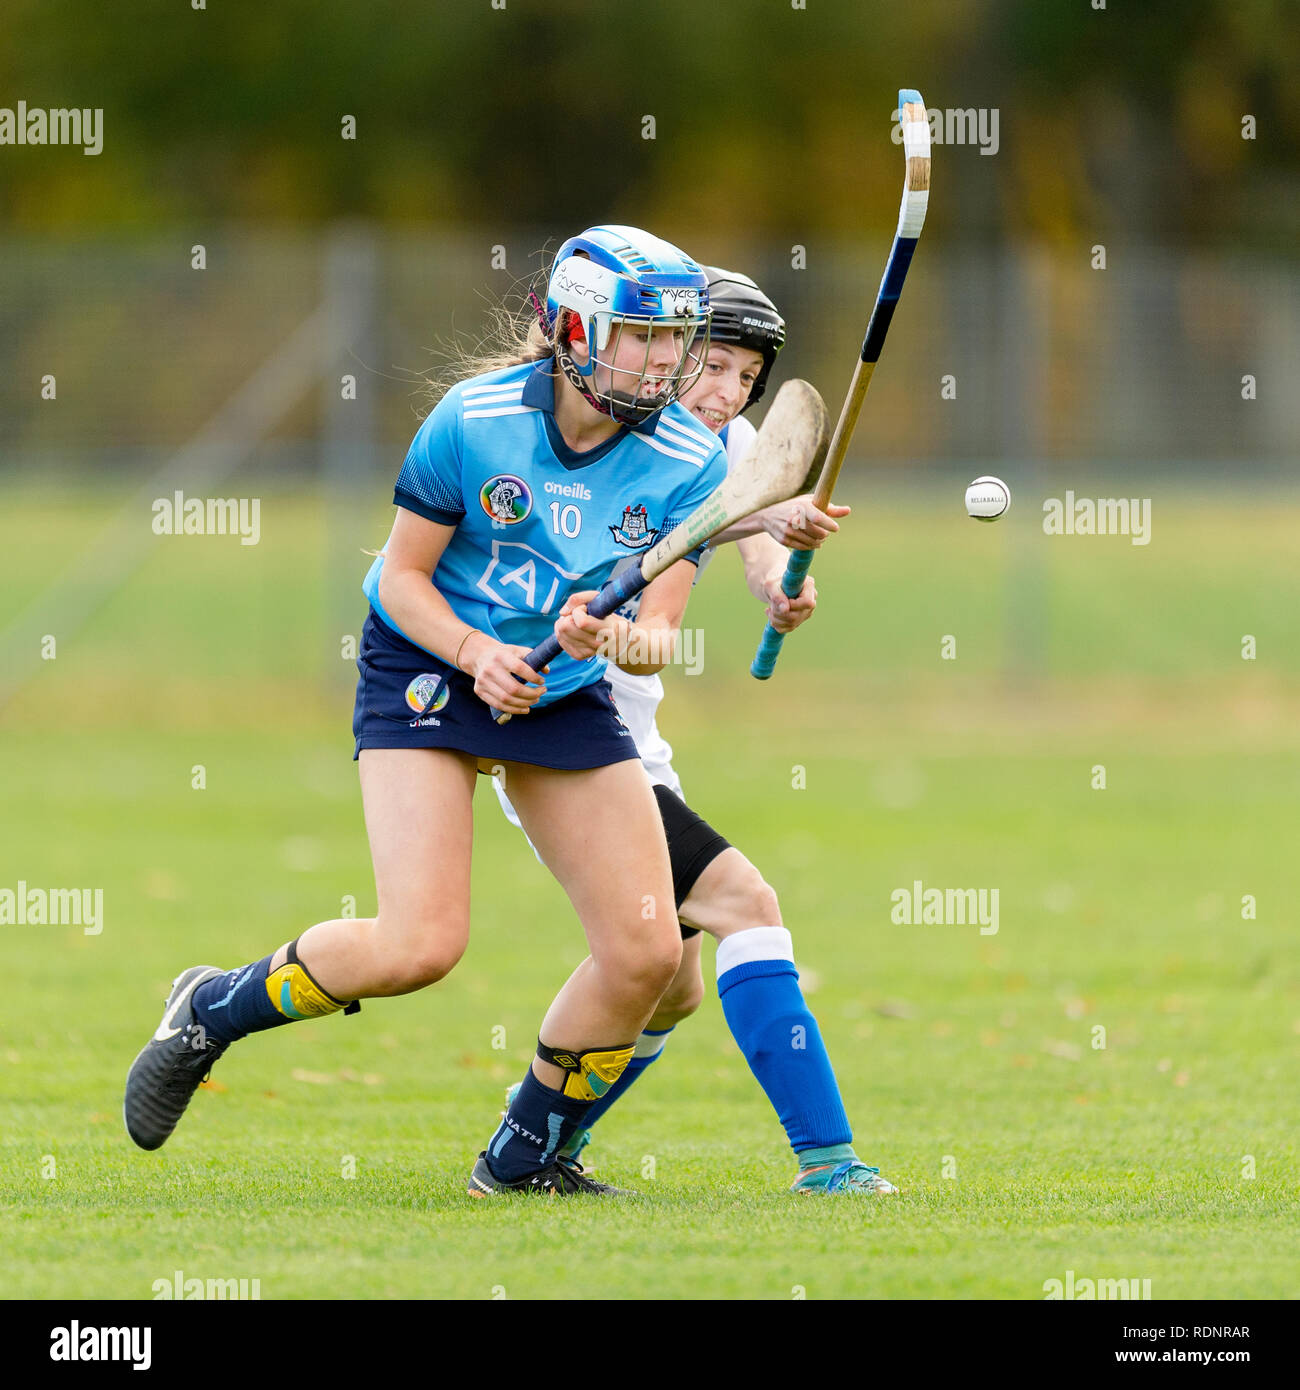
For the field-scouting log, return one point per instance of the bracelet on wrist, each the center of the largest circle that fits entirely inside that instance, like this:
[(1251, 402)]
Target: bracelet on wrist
[(463, 640)]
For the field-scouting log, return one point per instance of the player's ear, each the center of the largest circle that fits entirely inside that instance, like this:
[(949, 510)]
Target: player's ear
[(573, 334)]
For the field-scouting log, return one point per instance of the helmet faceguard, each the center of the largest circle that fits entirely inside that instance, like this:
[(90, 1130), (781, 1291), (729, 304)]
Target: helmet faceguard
[(615, 281)]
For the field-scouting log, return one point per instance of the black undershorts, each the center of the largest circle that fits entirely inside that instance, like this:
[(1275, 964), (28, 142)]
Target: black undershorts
[(693, 844)]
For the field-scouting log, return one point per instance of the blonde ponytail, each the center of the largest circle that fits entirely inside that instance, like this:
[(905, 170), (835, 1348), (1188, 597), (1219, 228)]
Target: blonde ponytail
[(511, 338)]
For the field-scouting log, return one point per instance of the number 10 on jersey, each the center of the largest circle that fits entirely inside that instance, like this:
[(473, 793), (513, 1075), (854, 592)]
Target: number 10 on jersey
[(566, 519)]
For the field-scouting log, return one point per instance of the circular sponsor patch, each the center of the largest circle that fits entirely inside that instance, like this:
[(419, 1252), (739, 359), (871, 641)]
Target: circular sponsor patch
[(420, 692), (506, 498)]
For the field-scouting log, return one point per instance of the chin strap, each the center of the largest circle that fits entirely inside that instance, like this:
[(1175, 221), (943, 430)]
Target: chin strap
[(579, 382), (624, 412)]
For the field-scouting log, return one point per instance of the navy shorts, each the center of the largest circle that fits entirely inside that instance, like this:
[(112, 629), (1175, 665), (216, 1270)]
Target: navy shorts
[(398, 680)]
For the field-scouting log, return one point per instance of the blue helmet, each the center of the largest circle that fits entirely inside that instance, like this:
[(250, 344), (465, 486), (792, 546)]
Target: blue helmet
[(610, 276)]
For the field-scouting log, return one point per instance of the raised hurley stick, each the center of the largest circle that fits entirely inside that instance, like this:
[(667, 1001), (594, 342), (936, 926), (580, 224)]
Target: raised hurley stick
[(788, 444), (911, 217)]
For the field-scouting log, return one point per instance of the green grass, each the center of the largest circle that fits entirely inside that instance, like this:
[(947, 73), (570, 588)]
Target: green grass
[(957, 1052)]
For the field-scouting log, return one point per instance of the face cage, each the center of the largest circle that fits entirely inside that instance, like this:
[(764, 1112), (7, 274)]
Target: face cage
[(631, 407)]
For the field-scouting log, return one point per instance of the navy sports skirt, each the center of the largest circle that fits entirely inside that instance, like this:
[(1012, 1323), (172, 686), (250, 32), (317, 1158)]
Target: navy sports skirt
[(393, 710)]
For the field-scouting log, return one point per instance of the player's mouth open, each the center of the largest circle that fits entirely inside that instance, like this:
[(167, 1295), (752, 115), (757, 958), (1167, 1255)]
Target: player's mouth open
[(715, 419)]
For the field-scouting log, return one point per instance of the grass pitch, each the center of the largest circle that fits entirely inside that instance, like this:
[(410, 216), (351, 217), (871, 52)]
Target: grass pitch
[(328, 1159)]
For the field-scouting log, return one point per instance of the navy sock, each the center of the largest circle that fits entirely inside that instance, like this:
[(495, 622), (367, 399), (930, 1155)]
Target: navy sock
[(765, 1010), (537, 1123), (231, 1006), (648, 1047)]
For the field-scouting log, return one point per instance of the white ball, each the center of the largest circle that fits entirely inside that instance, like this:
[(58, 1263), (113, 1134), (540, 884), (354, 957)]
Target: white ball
[(987, 499)]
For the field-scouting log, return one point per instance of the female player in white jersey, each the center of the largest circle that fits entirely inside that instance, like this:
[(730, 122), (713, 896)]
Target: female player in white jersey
[(715, 886), (474, 574)]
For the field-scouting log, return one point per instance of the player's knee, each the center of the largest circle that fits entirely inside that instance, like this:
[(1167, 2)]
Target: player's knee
[(764, 909), (434, 963), (680, 1000), (424, 954), (642, 971), (661, 963), (745, 899)]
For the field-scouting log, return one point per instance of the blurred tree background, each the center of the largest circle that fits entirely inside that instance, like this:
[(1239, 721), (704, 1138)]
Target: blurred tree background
[(488, 130), (1127, 117)]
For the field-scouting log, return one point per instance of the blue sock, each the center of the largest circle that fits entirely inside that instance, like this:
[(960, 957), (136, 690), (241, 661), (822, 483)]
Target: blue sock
[(537, 1123), (765, 1010), (648, 1047), (254, 998), (231, 1006)]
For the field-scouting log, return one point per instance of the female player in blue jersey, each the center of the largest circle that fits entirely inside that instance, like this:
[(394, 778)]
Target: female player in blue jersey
[(716, 888), (515, 495)]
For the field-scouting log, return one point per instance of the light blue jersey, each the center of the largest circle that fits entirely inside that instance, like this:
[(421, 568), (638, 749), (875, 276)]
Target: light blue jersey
[(535, 521)]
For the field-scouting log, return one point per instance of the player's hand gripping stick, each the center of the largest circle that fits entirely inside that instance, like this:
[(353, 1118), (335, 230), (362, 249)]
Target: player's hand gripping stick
[(775, 469)]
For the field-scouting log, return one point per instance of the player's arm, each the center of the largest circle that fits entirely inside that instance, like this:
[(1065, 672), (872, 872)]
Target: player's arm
[(795, 524), (411, 556), (641, 648), (764, 562)]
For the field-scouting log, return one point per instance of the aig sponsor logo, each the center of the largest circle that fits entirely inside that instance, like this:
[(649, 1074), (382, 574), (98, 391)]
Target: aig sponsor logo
[(517, 576)]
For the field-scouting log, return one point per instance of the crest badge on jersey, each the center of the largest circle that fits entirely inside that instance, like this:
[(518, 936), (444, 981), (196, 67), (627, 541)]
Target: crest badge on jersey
[(420, 692), (506, 498), (636, 532)]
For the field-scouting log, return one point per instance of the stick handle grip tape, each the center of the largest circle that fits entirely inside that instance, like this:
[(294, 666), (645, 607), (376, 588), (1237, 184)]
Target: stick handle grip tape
[(769, 646)]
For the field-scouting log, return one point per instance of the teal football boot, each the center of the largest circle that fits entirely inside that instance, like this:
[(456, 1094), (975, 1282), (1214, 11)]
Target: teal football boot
[(852, 1175)]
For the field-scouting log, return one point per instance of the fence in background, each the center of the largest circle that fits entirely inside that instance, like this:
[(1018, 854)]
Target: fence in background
[(995, 354), (300, 360)]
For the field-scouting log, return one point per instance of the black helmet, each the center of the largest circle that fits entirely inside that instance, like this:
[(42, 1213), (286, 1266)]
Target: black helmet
[(745, 316)]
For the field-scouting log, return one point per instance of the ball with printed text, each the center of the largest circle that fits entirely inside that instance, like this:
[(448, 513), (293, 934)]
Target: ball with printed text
[(987, 499)]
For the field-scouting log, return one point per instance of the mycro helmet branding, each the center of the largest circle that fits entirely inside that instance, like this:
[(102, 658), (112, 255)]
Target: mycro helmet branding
[(613, 276)]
